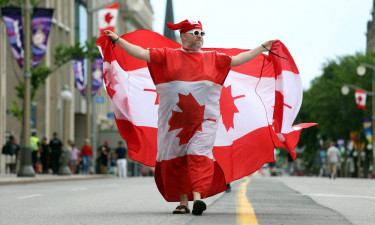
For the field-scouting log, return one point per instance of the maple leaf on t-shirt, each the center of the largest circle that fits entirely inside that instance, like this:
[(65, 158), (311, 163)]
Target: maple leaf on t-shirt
[(190, 119)]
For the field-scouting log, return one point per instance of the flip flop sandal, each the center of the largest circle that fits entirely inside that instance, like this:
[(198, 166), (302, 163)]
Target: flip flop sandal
[(198, 207), (181, 212)]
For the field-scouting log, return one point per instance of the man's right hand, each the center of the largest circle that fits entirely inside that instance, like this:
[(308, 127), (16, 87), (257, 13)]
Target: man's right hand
[(111, 34)]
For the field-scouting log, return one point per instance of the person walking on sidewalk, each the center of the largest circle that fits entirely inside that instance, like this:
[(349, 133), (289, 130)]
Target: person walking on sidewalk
[(121, 160), (56, 148), (34, 142), (10, 150), (86, 154), (73, 156), (44, 155), (333, 159)]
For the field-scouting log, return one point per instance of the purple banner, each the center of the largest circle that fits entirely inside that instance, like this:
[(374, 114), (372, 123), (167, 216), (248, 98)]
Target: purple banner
[(42, 19), (97, 75), (13, 23), (78, 68)]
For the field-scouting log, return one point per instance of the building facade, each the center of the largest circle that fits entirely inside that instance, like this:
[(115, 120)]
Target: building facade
[(49, 112)]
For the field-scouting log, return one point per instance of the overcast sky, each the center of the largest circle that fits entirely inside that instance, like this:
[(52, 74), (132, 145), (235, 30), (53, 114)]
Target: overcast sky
[(313, 30)]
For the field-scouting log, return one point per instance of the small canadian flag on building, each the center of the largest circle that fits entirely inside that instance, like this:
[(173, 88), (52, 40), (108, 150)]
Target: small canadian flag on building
[(107, 18), (360, 98)]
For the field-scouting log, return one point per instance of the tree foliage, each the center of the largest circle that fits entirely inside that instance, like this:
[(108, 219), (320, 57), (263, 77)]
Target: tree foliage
[(337, 114), (63, 54)]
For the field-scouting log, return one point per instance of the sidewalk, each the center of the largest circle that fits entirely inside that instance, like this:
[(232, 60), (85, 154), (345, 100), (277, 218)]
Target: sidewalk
[(9, 179)]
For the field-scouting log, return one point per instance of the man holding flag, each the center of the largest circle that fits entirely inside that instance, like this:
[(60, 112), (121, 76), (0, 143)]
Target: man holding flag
[(192, 77), (208, 116)]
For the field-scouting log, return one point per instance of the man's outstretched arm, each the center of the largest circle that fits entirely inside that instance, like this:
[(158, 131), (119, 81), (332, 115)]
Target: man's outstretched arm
[(247, 56), (133, 50)]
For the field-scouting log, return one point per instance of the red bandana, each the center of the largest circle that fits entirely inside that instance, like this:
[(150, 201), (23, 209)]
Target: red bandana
[(185, 25)]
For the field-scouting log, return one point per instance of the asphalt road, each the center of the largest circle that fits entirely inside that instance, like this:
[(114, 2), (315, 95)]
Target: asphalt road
[(258, 200)]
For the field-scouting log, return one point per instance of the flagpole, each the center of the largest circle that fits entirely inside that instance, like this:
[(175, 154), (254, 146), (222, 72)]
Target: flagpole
[(26, 170), (373, 124), (361, 70), (90, 121)]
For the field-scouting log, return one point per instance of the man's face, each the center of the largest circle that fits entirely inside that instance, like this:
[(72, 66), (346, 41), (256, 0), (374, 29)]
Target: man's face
[(192, 39)]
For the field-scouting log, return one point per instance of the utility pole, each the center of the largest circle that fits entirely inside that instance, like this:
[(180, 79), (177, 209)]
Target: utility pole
[(26, 170), (89, 73)]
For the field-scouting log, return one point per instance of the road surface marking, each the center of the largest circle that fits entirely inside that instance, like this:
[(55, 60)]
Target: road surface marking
[(29, 196), (245, 212), (338, 196)]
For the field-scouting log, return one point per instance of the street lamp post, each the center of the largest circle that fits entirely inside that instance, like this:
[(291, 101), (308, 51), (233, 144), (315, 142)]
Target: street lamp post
[(361, 70), (90, 121), (26, 170), (65, 96), (345, 91)]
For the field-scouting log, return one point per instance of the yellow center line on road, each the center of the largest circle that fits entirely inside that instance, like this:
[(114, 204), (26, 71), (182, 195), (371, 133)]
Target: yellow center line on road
[(245, 212)]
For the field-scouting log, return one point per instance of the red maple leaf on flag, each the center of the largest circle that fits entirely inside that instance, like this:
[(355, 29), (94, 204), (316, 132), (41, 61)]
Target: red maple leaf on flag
[(110, 82), (227, 106), (108, 17), (190, 119)]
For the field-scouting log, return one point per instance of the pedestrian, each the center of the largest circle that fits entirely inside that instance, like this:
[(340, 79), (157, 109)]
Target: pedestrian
[(56, 149), (44, 155), (112, 163), (290, 166), (272, 165), (333, 159), (10, 151), (86, 154), (121, 160), (192, 174), (73, 156), (34, 143), (104, 155)]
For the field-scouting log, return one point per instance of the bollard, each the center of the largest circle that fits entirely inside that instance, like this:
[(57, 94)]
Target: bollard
[(64, 165)]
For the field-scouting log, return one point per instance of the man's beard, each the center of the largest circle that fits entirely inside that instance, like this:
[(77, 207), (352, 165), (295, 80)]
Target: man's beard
[(197, 44)]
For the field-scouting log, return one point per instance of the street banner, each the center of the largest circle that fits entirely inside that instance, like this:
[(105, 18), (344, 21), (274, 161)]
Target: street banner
[(367, 128), (42, 19), (107, 18), (97, 75), (360, 98), (79, 74), (13, 23)]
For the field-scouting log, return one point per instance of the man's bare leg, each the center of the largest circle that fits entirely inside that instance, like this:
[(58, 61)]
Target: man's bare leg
[(197, 195), (199, 206), (183, 202)]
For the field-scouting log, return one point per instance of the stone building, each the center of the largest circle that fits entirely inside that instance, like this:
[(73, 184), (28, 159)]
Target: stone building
[(47, 107)]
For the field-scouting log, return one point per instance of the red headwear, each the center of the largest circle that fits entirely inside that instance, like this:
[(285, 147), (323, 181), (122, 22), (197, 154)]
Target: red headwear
[(185, 26)]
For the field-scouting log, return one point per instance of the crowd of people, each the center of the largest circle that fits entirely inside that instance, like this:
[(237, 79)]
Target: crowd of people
[(46, 157)]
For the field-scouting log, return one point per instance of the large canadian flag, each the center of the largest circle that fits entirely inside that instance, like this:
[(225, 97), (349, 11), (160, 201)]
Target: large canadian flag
[(360, 98), (107, 18), (259, 102)]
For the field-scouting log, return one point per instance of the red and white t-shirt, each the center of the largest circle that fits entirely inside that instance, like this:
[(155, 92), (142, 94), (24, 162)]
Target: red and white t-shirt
[(189, 86)]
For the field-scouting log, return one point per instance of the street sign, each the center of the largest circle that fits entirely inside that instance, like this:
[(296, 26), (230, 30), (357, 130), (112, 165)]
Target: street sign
[(110, 115), (99, 99)]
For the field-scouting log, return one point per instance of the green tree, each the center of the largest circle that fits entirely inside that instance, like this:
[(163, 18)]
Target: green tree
[(63, 54), (337, 114)]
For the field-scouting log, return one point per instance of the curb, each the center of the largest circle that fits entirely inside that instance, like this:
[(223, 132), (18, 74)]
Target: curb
[(49, 178)]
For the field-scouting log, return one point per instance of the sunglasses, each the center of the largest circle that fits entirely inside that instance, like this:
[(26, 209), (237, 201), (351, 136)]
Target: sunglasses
[(196, 33)]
